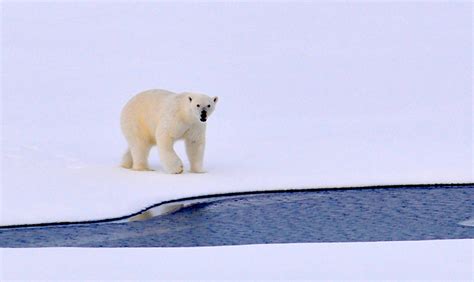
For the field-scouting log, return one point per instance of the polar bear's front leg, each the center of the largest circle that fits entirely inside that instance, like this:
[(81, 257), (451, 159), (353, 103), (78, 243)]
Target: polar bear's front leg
[(195, 152), (168, 157)]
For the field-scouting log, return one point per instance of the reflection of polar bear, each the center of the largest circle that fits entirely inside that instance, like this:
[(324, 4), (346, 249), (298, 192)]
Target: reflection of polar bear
[(161, 117)]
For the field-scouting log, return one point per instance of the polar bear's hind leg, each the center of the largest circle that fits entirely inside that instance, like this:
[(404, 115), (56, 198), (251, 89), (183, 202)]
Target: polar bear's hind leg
[(139, 152), (127, 160)]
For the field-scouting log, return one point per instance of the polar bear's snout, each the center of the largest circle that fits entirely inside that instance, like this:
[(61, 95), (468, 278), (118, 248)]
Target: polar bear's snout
[(203, 116)]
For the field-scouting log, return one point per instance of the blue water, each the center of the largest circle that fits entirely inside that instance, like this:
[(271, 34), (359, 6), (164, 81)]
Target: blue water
[(287, 217)]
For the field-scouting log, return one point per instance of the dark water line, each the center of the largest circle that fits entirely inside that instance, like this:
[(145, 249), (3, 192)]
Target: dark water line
[(341, 215), (124, 217)]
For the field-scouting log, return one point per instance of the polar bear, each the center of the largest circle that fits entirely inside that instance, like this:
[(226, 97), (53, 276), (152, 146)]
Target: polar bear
[(159, 117)]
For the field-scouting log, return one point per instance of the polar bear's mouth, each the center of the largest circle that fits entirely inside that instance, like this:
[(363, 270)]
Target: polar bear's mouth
[(203, 116)]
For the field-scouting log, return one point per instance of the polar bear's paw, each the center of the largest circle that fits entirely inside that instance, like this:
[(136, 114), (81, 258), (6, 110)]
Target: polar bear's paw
[(141, 168), (198, 170), (126, 165), (176, 170), (174, 167)]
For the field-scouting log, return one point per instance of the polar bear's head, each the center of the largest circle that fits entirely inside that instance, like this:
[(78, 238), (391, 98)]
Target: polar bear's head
[(201, 106)]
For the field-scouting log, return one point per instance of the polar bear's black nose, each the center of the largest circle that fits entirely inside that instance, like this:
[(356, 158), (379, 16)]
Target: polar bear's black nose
[(203, 116)]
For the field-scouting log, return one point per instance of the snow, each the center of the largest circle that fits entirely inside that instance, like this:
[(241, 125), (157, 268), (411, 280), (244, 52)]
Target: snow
[(446, 260), (312, 95)]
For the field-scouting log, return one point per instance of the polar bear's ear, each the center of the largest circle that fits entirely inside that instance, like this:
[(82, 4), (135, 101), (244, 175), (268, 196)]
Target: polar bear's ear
[(190, 99), (215, 99)]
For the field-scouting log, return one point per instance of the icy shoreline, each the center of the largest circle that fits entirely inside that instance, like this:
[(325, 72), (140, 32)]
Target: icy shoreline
[(408, 260), (172, 205)]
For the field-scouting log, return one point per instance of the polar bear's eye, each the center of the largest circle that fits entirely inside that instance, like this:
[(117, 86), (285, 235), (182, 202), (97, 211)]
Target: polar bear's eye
[(208, 106), (197, 105)]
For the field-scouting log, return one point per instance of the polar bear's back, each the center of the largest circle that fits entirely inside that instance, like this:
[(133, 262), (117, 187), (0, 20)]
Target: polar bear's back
[(141, 115)]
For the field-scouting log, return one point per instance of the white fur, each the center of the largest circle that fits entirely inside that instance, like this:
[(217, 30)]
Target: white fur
[(160, 117)]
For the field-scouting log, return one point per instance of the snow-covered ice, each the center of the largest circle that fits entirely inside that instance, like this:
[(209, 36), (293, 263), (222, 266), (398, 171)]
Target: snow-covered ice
[(311, 95), (446, 260)]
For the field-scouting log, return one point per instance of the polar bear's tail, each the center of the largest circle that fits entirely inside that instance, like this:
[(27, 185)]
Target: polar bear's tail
[(127, 161)]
